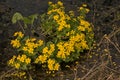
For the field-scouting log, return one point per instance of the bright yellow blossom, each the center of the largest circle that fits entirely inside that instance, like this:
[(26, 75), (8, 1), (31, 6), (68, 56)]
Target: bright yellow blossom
[(45, 50), (19, 34), (32, 39), (15, 43), (17, 65), (27, 60), (56, 17), (41, 58), (56, 66), (84, 23), (51, 63), (31, 50), (81, 28), (51, 50), (22, 58), (49, 2), (60, 3), (25, 49), (61, 54), (84, 45), (84, 5), (81, 8), (40, 42), (87, 10), (11, 61)]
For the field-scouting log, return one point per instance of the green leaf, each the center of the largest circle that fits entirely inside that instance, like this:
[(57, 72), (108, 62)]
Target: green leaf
[(16, 17), (30, 19), (33, 17), (26, 20)]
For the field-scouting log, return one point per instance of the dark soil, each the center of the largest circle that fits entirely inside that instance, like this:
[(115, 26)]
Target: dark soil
[(104, 15)]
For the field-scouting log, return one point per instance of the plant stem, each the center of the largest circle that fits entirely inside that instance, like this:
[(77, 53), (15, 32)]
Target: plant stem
[(21, 27)]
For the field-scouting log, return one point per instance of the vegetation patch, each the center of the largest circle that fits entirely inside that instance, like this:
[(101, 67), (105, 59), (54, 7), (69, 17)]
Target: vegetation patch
[(69, 36)]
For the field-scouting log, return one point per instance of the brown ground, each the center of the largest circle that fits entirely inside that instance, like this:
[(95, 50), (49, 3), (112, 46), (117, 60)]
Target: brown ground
[(103, 62)]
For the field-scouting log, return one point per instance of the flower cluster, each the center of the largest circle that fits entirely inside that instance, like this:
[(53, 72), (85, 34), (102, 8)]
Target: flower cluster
[(16, 43), (28, 47), (46, 53), (46, 58), (19, 34), (59, 15), (69, 35), (52, 65), (19, 61)]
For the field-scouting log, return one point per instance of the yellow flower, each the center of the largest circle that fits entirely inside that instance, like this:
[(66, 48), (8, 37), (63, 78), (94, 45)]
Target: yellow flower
[(31, 50), (51, 63), (19, 34), (61, 54), (40, 42), (60, 3), (30, 44), (69, 48), (49, 2), (56, 66), (56, 17), (36, 60), (81, 8), (28, 60), (11, 61), (32, 39), (45, 50), (19, 57), (41, 58), (81, 28), (14, 57), (84, 5), (60, 28), (25, 49), (49, 12), (52, 47), (27, 41), (84, 45), (15, 43), (22, 58), (87, 10), (84, 23), (17, 65)]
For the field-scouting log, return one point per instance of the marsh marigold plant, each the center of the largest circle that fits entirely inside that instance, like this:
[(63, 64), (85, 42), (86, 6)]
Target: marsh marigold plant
[(68, 36)]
